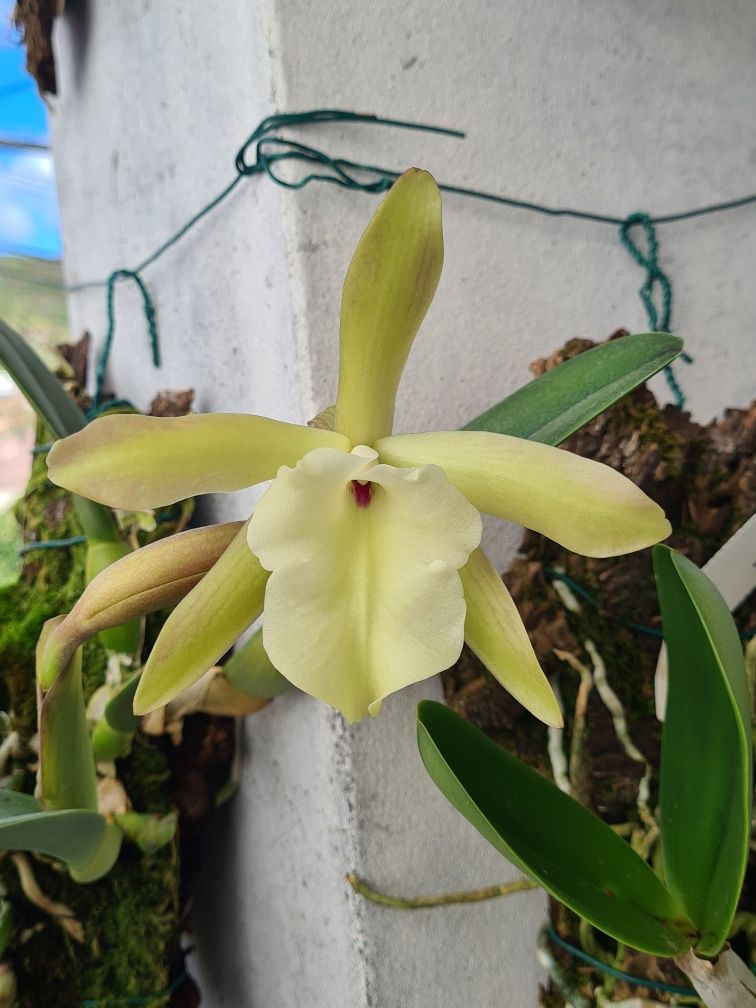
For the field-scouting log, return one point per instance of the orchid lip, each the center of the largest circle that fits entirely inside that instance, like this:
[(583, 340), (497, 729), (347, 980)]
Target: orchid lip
[(362, 491), (356, 551)]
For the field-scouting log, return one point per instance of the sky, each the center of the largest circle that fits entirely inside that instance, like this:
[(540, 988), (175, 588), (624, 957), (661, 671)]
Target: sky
[(29, 223)]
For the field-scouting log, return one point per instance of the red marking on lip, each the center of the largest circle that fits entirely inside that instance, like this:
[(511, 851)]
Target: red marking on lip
[(363, 493)]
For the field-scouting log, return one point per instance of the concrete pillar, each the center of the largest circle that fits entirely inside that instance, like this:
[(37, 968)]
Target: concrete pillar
[(604, 107)]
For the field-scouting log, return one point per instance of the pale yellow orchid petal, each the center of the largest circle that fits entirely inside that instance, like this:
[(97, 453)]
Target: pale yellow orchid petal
[(203, 626), (389, 286), (364, 595), (495, 632), (136, 462), (581, 504)]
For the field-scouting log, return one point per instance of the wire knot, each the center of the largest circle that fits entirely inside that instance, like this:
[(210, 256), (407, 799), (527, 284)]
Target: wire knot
[(655, 275), (271, 150)]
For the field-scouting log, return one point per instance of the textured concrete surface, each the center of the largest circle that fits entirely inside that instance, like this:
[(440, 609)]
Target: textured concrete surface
[(609, 107)]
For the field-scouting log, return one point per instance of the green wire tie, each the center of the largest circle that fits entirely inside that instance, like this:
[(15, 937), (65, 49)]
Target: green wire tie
[(46, 544), (272, 151), (655, 276), (620, 974), (591, 599)]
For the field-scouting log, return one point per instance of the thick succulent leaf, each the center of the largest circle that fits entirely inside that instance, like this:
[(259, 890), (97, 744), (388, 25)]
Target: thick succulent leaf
[(67, 777), (103, 858), (569, 851), (42, 389), (559, 402), (72, 835), (251, 671), (119, 712), (388, 288), (108, 744), (149, 831), (705, 778)]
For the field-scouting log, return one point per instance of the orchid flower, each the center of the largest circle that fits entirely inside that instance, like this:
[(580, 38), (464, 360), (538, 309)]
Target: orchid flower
[(364, 550)]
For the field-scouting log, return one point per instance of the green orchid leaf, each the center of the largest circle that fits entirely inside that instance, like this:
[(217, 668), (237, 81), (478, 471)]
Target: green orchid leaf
[(71, 836), (251, 671), (548, 835), (41, 388), (108, 744), (705, 777), (149, 831), (119, 712), (552, 407), (103, 858), (67, 777)]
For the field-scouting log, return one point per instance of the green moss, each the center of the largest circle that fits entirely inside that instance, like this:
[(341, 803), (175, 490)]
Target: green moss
[(131, 917), (130, 930), (49, 583)]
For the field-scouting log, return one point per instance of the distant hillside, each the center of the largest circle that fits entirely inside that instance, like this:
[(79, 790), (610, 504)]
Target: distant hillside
[(32, 299)]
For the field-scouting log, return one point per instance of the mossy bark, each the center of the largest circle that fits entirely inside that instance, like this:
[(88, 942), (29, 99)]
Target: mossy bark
[(705, 479)]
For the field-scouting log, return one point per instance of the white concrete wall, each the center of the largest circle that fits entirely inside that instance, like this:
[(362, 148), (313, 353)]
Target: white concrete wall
[(614, 107)]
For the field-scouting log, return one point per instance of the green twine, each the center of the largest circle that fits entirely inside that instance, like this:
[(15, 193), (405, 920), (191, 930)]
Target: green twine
[(347, 174), (655, 275), (620, 974), (584, 594), (578, 953), (272, 150), (149, 315), (591, 599), (45, 544)]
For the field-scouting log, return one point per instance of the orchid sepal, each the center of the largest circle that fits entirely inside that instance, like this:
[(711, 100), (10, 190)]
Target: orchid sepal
[(388, 289), (139, 462)]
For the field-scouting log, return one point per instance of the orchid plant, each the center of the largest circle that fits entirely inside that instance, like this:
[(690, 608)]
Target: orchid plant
[(682, 904), (364, 550)]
